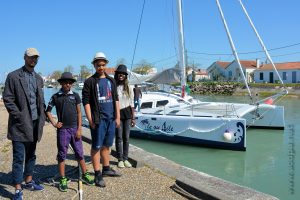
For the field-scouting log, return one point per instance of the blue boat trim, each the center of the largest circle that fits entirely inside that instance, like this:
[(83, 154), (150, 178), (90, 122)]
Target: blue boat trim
[(190, 141)]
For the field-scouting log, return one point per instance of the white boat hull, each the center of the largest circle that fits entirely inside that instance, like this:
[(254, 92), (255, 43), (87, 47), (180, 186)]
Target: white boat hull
[(266, 116), (224, 133), (261, 116)]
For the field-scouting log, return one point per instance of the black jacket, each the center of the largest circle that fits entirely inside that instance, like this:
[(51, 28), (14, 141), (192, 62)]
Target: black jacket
[(89, 96)]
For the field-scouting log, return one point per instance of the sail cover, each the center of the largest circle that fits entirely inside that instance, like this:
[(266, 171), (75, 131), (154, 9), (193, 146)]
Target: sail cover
[(168, 76)]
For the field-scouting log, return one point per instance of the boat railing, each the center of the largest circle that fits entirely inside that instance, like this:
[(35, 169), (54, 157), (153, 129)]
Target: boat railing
[(203, 109)]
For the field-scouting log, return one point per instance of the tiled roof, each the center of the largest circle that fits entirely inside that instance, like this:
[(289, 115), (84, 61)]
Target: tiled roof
[(281, 66), (223, 64), (110, 70), (248, 64)]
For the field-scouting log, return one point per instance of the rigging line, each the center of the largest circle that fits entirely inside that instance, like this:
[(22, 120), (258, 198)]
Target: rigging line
[(273, 56), (260, 41), (173, 17), (137, 36), (249, 52), (164, 59), (233, 48)]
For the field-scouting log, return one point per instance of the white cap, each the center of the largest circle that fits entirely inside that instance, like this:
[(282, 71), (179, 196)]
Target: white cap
[(32, 52), (99, 56)]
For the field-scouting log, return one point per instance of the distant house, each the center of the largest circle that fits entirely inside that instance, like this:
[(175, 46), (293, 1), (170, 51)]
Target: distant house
[(200, 74), (234, 73), (230, 71), (217, 70), (289, 73), (110, 71)]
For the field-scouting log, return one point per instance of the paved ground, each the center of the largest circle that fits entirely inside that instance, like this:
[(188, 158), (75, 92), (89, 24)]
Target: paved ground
[(135, 183)]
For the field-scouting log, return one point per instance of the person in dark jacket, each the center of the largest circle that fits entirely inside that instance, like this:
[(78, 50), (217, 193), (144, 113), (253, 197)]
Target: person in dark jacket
[(101, 105), (23, 97)]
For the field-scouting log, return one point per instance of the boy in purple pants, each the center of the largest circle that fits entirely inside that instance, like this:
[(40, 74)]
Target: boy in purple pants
[(68, 126)]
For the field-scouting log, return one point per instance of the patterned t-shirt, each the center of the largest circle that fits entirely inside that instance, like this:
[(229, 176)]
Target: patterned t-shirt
[(66, 107), (105, 98)]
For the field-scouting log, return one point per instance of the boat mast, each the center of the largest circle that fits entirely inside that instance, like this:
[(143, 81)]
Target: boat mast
[(261, 42), (233, 48), (182, 58)]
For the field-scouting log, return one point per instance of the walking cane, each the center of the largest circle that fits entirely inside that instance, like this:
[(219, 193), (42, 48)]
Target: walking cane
[(80, 190), (80, 182)]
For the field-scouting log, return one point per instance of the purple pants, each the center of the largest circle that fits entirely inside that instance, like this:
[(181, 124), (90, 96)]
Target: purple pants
[(66, 136)]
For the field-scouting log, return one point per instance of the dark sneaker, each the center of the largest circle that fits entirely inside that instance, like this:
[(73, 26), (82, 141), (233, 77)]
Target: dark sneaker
[(99, 181), (87, 178), (18, 195), (63, 184), (110, 172), (31, 185)]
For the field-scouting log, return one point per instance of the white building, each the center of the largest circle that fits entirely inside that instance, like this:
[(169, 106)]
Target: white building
[(216, 71), (234, 73), (289, 73), (200, 74), (230, 71)]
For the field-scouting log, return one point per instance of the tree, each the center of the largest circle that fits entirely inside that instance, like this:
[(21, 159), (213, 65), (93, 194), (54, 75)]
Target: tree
[(69, 68), (56, 75), (193, 76), (84, 72), (121, 61), (143, 67)]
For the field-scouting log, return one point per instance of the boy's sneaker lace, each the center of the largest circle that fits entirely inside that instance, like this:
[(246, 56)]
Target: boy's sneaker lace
[(31, 185), (63, 184), (18, 195), (87, 178)]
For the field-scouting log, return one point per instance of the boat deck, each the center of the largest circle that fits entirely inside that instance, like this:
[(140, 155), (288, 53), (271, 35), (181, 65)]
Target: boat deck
[(203, 110)]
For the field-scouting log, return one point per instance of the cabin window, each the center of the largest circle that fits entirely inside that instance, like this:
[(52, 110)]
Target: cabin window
[(146, 105), (261, 76), (284, 75), (161, 103)]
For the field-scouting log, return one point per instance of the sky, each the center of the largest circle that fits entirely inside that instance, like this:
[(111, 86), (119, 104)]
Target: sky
[(70, 32)]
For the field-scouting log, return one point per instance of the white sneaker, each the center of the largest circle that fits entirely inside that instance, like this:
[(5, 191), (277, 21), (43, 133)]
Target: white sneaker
[(127, 164), (121, 164)]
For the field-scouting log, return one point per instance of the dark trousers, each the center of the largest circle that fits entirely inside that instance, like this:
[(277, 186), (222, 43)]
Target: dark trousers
[(122, 139), (24, 151)]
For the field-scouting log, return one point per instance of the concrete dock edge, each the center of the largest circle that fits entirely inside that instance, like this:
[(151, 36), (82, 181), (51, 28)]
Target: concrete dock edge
[(197, 184)]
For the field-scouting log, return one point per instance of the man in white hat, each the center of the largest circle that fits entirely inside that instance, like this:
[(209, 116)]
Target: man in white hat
[(24, 100), (101, 104)]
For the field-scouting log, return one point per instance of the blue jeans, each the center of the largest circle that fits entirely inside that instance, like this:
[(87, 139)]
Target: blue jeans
[(122, 140), (23, 151), (137, 104)]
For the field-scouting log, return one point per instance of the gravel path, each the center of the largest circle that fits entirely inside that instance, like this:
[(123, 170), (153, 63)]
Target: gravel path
[(135, 183)]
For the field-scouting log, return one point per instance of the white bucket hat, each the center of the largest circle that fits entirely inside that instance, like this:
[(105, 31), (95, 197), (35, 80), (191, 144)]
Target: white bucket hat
[(99, 56)]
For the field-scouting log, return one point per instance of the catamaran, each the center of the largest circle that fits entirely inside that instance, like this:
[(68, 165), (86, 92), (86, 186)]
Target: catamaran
[(182, 119)]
